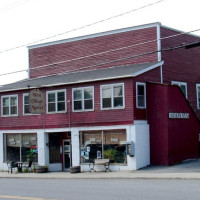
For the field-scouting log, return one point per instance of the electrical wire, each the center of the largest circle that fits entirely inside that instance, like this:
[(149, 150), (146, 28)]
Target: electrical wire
[(113, 61), (56, 63), (82, 27), (113, 50), (12, 5)]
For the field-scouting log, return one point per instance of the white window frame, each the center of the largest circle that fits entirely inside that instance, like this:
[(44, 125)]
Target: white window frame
[(112, 96), (179, 83), (9, 115), (56, 102), (82, 99), (198, 102), (140, 84), (24, 95)]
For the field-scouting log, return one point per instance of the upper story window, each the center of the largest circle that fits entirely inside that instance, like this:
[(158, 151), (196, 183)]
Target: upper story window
[(9, 105), (182, 85), (56, 101), (112, 96), (198, 95), (83, 99), (26, 104), (140, 95)]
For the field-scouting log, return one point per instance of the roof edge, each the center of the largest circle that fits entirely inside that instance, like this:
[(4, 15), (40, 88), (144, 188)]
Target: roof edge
[(95, 35), (148, 69), (177, 30)]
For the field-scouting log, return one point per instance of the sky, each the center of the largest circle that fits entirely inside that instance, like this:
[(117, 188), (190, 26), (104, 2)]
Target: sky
[(26, 22)]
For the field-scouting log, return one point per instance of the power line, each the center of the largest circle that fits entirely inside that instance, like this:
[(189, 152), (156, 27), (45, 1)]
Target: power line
[(125, 58), (167, 37), (117, 60), (82, 27), (12, 5), (113, 50)]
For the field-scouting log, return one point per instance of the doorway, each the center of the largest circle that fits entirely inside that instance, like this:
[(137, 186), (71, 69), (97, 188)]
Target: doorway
[(66, 155)]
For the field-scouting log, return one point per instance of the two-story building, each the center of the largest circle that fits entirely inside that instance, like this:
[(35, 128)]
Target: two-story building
[(103, 92)]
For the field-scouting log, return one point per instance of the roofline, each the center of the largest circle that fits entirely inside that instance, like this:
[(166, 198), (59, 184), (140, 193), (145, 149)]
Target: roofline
[(156, 24), (69, 83), (87, 81), (148, 68), (177, 30)]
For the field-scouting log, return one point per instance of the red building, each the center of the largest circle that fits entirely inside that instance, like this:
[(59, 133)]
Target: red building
[(103, 92)]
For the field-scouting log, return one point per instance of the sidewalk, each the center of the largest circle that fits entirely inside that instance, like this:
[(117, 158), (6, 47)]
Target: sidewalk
[(187, 170)]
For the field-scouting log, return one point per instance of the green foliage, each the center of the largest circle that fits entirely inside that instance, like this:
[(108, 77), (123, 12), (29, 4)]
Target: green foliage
[(110, 154), (30, 155), (26, 170)]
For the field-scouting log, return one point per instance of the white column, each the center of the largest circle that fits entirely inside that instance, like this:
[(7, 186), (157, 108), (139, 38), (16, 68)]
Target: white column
[(42, 148), (75, 147), (1, 150)]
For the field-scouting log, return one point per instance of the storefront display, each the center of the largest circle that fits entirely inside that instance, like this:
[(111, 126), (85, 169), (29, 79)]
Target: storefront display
[(20, 147), (103, 144)]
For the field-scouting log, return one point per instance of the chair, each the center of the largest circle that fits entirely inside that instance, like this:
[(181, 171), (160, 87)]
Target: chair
[(11, 165)]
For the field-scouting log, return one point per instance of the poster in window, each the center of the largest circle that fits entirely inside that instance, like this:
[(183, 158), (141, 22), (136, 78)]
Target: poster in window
[(98, 154), (87, 155), (88, 149)]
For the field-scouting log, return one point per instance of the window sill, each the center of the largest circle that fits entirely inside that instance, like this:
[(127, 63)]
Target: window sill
[(75, 111), (117, 108)]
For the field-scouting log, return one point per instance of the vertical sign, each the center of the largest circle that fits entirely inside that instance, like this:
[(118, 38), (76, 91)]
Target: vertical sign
[(37, 102)]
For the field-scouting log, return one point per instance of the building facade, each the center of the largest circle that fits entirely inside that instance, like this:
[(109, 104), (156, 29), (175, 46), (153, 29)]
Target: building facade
[(103, 94)]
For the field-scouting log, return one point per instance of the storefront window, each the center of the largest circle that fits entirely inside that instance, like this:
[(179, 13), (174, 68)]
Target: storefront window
[(104, 144), (20, 147)]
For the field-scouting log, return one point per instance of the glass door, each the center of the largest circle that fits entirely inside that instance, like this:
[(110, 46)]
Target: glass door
[(66, 154)]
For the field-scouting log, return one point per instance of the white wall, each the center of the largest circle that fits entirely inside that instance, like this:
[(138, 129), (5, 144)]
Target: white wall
[(142, 145), (138, 133)]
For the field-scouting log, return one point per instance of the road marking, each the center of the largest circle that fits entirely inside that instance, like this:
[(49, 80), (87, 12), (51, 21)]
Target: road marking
[(21, 197)]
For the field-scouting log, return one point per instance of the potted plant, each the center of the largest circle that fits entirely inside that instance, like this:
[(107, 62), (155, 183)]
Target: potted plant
[(110, 154), (34, 168), (30, 155)]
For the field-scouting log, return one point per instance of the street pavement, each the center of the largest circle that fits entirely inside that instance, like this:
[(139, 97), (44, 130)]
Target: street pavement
[(189, 169)]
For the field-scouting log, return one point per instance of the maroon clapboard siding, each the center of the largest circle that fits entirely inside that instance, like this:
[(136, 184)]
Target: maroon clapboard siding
[(61, 120), (171, 140), (150, 76), (181, 64), (86, 47)]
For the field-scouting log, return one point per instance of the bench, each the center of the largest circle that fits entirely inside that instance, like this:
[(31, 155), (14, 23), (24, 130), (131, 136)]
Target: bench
[(104, 162)]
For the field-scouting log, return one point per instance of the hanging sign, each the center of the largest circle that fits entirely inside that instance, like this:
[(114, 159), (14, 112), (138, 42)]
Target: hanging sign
[(37, 101), (179, 115)]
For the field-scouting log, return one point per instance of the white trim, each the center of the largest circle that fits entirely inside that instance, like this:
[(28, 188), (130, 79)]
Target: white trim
[(159, 42), (86, 81), (24, 95), (161, 74), (56, 93), (148, 69), (9, 96), (141, 84), (82, 99), (179, 83), (198, 102), (95, 35), (176, 30), (112, 96)]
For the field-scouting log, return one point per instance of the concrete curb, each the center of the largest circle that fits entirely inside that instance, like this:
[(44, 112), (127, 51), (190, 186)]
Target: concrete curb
[(100, 175)]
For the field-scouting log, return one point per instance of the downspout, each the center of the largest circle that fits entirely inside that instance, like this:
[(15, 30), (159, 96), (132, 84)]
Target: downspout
[(159, 50)]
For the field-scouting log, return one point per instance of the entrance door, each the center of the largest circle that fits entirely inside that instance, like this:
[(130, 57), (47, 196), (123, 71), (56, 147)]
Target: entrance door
[(66, 154)]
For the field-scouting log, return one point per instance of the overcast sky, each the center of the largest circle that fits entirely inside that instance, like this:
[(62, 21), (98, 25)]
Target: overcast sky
[(25, 21)]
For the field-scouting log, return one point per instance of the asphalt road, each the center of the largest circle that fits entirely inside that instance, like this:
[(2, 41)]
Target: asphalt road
[(98, 189)]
